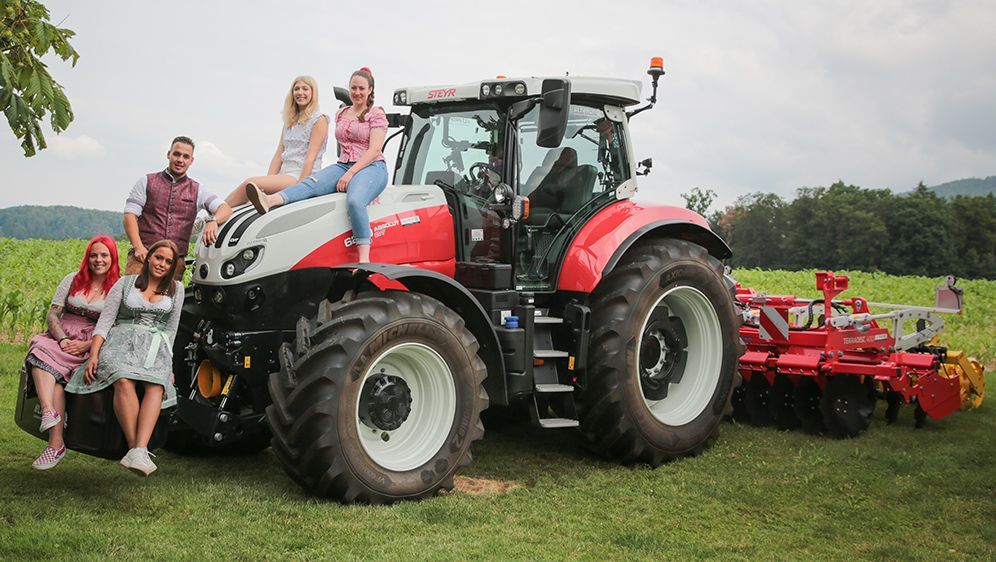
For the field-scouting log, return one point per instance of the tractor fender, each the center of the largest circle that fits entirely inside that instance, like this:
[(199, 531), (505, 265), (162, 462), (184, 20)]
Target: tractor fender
[(601, 243), (447, 291)]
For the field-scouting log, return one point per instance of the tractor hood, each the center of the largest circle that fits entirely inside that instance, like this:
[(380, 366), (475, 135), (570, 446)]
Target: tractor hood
[(411, 225)]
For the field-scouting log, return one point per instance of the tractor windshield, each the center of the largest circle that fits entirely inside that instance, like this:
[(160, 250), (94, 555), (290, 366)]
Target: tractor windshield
[(452, 143), (590, 160)]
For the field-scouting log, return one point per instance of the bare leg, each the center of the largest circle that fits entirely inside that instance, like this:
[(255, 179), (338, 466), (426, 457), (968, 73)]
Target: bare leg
[(148, 415), (269, 184), (59, 403), (126, 408), (45, 386), (364, 252)]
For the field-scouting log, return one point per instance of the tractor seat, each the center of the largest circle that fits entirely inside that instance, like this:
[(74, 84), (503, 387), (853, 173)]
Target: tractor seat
[(563, 195)]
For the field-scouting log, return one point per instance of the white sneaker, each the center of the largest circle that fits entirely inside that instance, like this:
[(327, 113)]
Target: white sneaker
[(141, 464), (129, 457)]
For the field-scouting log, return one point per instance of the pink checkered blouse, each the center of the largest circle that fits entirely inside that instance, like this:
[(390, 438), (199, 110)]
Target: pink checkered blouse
[(354, 137)]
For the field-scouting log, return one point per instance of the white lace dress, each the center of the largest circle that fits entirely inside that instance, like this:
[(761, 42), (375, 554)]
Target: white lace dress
[(296, 140), (138, 340)]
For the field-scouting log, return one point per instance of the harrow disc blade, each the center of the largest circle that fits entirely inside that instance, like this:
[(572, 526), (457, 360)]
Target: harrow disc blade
[(806, 405), (847, 405), (737, 402), (894, 400), (781, 403), (919, 417), (756, 400)]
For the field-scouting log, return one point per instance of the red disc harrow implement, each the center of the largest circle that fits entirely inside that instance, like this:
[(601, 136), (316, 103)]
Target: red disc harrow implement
[(821, 365)]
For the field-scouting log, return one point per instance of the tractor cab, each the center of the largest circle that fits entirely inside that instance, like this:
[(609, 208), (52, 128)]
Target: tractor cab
[(524, 162)]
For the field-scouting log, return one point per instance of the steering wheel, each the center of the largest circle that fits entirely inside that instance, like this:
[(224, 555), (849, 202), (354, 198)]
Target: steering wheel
[(478, 170)]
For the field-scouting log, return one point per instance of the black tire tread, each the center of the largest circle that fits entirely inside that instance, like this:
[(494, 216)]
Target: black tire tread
[(605, 426), (303, 413)]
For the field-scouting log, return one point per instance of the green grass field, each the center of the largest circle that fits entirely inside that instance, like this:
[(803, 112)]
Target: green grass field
[(895, 493)]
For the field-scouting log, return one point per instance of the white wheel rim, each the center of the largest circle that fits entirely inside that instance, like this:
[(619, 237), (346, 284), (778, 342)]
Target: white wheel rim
[(432, 413), (688, 398)]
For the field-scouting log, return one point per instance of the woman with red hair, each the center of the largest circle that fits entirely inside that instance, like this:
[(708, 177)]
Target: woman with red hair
[(54, 355)]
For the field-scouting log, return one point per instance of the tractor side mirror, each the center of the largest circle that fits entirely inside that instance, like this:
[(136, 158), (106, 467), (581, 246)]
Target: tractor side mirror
[(396, 120), (342, 94), (553, 112)]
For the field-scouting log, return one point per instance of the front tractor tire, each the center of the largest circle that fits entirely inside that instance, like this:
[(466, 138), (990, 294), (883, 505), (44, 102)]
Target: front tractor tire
[(379, 399), (663, 355)]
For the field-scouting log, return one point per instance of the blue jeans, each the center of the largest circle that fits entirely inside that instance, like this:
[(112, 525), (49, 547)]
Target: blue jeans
[(365, 186)]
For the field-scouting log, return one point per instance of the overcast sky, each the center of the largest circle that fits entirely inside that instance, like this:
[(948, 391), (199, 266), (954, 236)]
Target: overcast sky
[(758, 96)]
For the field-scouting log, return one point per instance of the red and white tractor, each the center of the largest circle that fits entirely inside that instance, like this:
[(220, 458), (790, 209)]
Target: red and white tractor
[(512, 266)]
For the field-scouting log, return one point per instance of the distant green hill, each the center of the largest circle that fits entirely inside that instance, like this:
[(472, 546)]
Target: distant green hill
[(973, 187), (58, 222)]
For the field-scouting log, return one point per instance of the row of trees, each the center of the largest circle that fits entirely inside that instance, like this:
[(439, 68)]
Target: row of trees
[(58, 222), (847, 227)]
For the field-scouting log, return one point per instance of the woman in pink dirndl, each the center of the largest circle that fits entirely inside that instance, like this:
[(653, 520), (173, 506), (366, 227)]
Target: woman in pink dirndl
[(54, 355)]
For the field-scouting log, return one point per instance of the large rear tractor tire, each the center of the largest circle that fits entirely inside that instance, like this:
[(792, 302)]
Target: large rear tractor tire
[(663, 355), (378, 400)]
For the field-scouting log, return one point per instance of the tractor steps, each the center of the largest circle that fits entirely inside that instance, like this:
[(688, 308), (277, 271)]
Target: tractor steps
[(552, 399), (558, 423), (550, 388)]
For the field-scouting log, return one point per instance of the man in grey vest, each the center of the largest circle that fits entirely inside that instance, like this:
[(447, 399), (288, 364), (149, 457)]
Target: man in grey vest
[(163, 205)]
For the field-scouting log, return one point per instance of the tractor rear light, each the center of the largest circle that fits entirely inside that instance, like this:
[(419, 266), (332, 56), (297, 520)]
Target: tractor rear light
[(520, 208)]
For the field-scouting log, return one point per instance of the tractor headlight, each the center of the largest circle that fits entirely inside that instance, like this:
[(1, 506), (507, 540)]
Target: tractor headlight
[(502, 193), (496, 89), (241, 262)]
